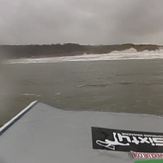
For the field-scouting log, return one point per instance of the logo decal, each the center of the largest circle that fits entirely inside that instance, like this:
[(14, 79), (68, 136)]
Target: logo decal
[(110, 144), (124, 140), (142, 155)]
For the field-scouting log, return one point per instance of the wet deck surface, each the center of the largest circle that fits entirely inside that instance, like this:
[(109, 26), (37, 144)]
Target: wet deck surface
[(45, 134)]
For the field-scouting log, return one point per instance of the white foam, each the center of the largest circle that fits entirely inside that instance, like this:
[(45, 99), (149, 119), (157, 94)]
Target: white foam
[(124, 55)]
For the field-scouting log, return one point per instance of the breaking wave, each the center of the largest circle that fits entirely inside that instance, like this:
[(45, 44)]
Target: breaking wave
[(126, 55)]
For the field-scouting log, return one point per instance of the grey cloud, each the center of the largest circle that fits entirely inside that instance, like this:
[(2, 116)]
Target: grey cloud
[(81, 21)]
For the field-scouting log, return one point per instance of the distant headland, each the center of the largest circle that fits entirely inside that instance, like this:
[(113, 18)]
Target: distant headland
[(68, 49)]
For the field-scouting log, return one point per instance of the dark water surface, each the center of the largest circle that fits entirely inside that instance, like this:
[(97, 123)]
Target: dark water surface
[(119, 86)]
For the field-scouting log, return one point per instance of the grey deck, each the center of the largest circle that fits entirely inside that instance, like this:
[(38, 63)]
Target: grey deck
[(46, 134)]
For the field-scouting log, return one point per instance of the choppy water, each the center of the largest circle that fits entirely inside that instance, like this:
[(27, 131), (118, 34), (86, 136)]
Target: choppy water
[(119, 86)]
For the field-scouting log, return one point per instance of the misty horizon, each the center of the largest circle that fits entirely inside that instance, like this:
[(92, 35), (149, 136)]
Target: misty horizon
[(105, 22), (74, 43)]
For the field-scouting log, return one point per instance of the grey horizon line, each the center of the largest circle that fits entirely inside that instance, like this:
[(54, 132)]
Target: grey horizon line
[(41, 44)]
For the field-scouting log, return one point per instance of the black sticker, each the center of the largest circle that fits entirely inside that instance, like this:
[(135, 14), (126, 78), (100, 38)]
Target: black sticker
[(124, 140)]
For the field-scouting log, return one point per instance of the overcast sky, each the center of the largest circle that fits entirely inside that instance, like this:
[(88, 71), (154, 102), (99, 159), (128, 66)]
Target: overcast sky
[(81, 21)]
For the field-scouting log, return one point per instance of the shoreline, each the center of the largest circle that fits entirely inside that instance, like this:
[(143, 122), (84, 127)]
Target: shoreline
[(91, 57)]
